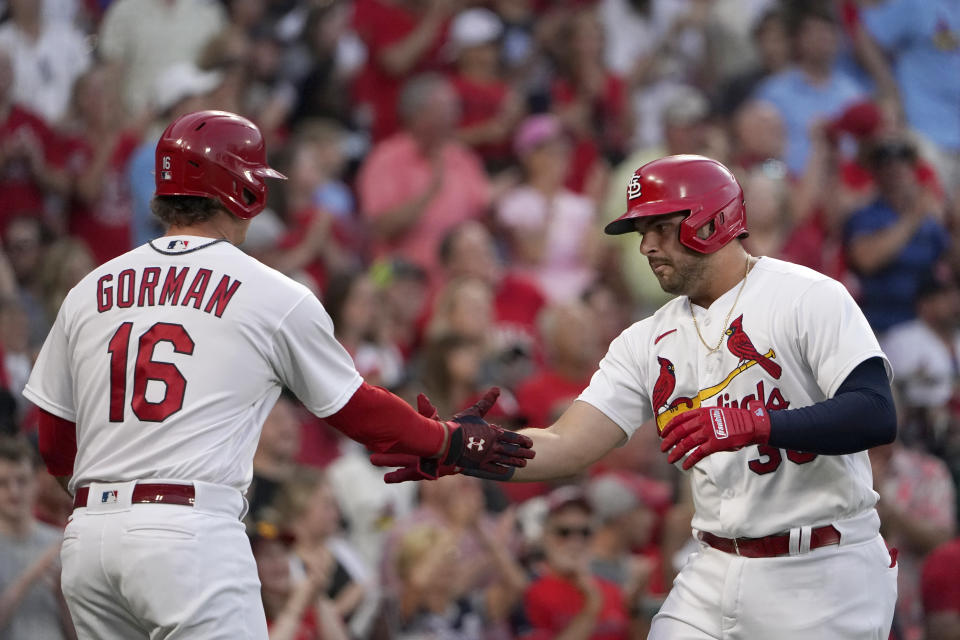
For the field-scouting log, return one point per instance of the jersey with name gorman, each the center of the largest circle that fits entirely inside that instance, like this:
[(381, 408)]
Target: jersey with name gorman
[(792, 339), (170, 357)]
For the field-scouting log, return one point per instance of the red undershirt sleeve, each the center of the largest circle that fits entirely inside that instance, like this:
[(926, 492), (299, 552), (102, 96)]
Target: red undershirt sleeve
[(58, 443), (384, 423)]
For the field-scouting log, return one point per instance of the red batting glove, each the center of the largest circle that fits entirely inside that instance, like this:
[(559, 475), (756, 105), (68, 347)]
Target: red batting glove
[(701, 432), (411, 467), (475, 448)]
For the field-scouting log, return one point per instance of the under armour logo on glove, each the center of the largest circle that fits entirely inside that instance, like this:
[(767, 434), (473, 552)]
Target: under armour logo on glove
[(468, 452), (701, 432)]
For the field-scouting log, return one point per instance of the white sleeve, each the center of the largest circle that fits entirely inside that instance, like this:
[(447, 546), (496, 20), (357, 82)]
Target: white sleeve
[(618, 388), (310, 361), (50, 386), (833, 335)]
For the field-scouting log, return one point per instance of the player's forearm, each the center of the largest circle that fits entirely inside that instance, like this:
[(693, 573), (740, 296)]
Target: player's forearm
[(861, 415), (581, 436), (384, 423)]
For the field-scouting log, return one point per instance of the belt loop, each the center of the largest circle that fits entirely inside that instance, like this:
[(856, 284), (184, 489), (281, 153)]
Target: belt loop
[(806, 537), (794, 547), (736, 546)]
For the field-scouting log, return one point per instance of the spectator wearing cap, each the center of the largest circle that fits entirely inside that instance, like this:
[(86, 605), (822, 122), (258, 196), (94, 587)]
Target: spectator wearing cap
[(421, 182), (811, 89), (567, 600), (627, 510), (923, 39), (403, 38), (295, 611), (489, 108), (182, 88), (48, 56), (98, 153), (143, 38), (550, 229), (923, 354), (941, 592), (895, 242), (866, 123)]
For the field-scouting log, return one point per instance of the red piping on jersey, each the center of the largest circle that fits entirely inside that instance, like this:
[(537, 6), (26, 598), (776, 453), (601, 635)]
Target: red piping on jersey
[(57, 441), (384, 423), (663, 335)]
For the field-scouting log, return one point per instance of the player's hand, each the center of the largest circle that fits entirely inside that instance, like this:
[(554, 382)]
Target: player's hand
[(413, 467), (510, 449), (482, 449), (701, 432)]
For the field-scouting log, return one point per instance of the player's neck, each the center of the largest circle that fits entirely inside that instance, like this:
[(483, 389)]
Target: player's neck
[(221, 227), (723, 274)]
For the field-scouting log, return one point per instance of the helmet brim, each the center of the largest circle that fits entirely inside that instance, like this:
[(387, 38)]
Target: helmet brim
[(626, 222)]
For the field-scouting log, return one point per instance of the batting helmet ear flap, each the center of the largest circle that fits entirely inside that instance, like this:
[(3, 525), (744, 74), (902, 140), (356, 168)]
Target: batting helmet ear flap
[(215, 154)]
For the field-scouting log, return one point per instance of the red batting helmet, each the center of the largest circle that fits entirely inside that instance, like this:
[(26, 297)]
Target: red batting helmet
[(699, 186), (215, 154)]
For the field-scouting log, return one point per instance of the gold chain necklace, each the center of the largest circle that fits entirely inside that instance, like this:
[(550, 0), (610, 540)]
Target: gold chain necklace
[(726, 322)]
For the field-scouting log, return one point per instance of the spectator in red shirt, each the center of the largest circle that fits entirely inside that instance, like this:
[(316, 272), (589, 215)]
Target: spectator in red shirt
[(567, 600), (591, 102), (98, 152), (418, 184), (403, 37), (941, 592), (572, 348), (30, 158), (490, 108)]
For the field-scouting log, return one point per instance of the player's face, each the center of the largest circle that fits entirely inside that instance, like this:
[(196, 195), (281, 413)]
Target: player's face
[(678, 269), (17, 490)]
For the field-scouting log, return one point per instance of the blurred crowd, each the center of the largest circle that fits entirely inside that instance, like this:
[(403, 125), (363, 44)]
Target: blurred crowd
[(451, 165)]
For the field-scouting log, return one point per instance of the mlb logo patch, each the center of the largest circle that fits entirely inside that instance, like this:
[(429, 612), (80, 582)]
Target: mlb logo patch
[(165, 172), (177, 245), (108, 497)]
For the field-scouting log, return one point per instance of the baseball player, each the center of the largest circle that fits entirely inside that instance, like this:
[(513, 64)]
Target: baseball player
[(154, 383), (767, 386)]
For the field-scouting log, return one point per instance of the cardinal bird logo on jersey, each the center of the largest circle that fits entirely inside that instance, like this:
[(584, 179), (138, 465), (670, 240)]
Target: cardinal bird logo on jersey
[(740, 345), (666, 382)]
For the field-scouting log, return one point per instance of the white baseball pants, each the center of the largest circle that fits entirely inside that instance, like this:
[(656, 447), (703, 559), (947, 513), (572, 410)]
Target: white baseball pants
[(157, 571), (844, 592)]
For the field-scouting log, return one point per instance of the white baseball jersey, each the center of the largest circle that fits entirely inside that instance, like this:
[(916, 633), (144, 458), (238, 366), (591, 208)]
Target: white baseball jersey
[(792, 339), (170, 356)]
